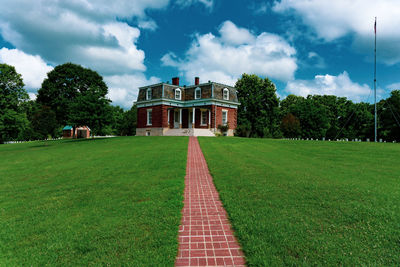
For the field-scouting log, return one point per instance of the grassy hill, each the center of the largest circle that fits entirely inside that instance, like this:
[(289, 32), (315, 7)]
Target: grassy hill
[(118, 201), (91, 202), (310, 202)]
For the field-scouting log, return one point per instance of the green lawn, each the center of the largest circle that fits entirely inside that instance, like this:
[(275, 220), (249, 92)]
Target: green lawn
[(310, 202), (91, 202)]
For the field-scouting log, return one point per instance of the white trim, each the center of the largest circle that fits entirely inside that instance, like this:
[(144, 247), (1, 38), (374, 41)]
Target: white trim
[(195, 93), (188, 104), (148, 112), (180, 116), (194, 118), (147, 94), (227, 94), (180, 94), (222, 116)]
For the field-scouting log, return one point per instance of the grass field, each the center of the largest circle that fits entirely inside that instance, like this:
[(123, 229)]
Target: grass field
[(309, 202), (91, 202)]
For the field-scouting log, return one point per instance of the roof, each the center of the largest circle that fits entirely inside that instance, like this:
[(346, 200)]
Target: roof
[(67, 127)]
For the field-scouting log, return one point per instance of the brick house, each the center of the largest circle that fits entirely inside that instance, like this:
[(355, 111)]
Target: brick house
[(80, 132), (171, 109)]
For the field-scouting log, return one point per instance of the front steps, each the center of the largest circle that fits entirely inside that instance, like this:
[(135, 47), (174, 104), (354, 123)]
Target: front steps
[(189, 132)]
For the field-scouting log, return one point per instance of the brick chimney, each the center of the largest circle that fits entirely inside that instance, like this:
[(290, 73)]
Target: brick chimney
[(196, 81), (175, 81)]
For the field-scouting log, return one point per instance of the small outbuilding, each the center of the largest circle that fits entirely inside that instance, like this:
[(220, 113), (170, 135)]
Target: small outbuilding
[(67, 131), (80, 132)]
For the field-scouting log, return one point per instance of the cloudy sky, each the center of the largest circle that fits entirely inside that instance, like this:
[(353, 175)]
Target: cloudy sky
[(304, 46)]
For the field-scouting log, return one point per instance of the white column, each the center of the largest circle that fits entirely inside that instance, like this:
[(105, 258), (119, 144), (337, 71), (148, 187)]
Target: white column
[(168, 116), (209, 118), (193, 121), (180, 118)]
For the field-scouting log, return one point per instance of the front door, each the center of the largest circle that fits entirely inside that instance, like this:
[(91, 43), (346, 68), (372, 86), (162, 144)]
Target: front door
[(176, 119), (190, 117)]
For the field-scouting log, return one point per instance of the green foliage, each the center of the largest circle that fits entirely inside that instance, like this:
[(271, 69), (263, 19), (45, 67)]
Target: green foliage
[(290, 126), (92, 202), (223, 128), (77, 96), (389, 117), (259, 109), (44, 123), (13, 119), (129, 122), (309, 203)]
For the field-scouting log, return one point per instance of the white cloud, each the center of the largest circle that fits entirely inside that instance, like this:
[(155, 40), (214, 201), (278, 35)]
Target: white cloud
[(226, 57), (89, 33), (32, 68), (332, 20), (123, 89), (185, 3), (231, 34), (340, 85), (79, 31), (394, 86), (314, 60)]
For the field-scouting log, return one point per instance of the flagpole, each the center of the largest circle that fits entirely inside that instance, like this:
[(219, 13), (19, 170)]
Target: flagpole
[(376, 131)]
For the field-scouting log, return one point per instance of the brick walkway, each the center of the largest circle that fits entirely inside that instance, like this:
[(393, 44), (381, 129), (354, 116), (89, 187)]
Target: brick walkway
[(205, 234)]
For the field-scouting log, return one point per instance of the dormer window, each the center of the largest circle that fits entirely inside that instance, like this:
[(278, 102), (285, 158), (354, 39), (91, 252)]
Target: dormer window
[(148, 94), (197, 93), (178, 94), (226, 94)]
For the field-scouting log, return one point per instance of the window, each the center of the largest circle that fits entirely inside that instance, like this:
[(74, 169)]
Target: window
[(148, 94), (224, 117), (197, 94), (178, 94), (226, 94), (203, 117), (149, 117)]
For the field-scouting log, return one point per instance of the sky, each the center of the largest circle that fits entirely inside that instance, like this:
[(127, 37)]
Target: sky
[(304, 46)]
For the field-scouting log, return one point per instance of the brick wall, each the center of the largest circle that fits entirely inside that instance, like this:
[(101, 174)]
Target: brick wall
[(159, 116), (216, 116)]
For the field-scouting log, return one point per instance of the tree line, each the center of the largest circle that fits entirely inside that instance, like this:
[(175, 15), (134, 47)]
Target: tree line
[(76, 96), (262, 114), (70, 95)]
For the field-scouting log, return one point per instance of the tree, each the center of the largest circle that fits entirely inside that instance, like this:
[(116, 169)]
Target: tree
[(290, 126), (44, 122), (117, 120), (77, 95), (389, 117), (12, 94), (259, 109), (129, 122)]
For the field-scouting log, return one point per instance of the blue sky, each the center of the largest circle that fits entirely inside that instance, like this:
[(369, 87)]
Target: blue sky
[(303, 46)]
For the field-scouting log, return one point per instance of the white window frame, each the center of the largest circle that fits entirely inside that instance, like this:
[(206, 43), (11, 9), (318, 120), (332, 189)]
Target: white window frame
[(180, 94), (149, 97), (226, 90), (203, 123), (149, 116), (198, 89), (226, 112)]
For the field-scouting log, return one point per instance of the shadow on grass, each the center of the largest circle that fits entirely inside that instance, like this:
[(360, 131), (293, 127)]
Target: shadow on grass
[(51, 143)]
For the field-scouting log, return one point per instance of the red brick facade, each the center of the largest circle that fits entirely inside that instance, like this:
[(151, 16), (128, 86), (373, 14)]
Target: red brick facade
[(160, 117)]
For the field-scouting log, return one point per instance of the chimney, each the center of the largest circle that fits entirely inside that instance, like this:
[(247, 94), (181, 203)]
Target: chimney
[(196, 81), (175, 81)]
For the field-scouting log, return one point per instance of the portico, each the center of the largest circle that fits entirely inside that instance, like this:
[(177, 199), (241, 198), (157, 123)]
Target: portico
[(189, 118)]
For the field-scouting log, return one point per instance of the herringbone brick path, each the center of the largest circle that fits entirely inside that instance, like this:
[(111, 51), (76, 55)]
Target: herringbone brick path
[(205, 235)]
